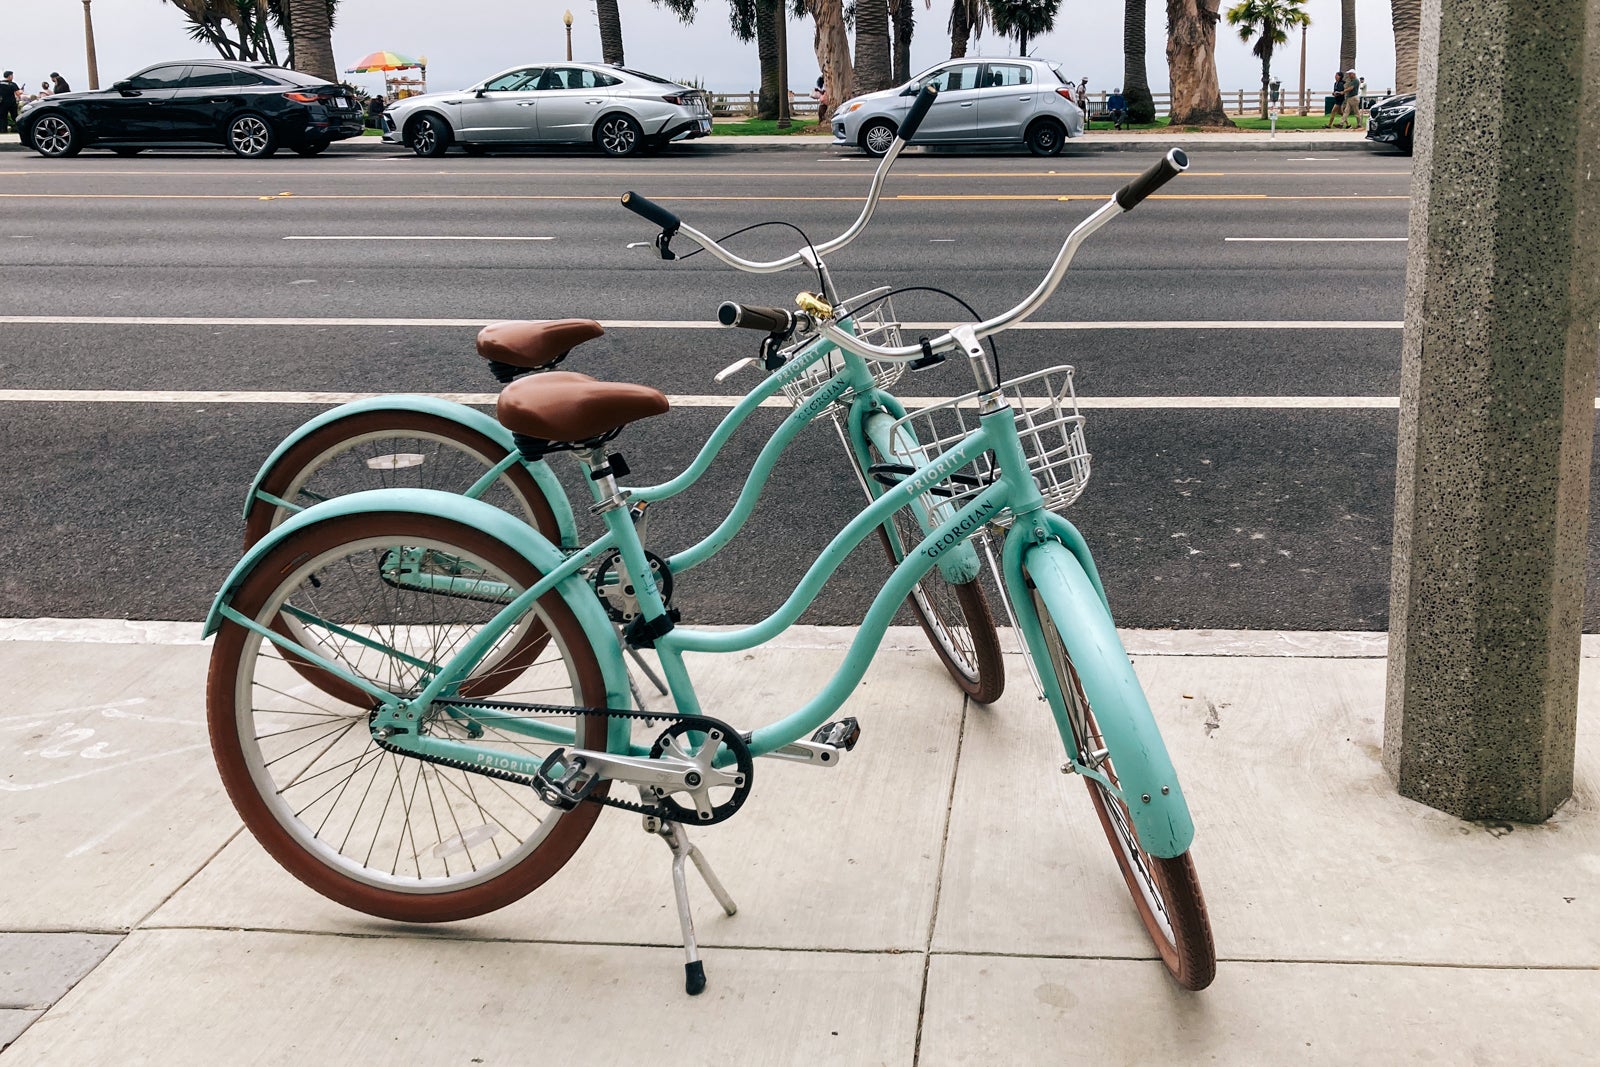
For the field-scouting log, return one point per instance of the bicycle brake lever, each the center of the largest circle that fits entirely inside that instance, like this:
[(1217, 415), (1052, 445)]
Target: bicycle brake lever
[(664, 244)]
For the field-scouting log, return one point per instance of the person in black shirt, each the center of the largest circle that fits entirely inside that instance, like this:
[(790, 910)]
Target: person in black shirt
[(8, 102), (58, 84)]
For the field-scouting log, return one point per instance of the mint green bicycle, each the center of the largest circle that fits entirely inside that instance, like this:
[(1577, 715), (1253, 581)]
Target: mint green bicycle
[(406, 441), (419, 704)]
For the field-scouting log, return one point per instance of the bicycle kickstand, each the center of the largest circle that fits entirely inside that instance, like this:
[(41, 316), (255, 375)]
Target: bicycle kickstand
[(678, 841)]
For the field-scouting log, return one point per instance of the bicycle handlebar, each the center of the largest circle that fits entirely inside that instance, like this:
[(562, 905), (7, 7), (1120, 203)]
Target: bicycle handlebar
[(919, 111), (651, 210), (750, 317), (1160, 173)]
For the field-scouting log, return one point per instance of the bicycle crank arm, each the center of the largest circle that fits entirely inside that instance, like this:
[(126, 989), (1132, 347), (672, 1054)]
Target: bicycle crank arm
[(568, 776)]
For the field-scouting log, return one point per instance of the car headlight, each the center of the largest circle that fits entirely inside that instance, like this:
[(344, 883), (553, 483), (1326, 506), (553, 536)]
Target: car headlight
[(853, 106), (29, 106)]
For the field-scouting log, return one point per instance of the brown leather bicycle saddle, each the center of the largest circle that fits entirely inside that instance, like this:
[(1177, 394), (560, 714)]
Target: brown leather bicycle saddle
[(567, 406), (532, 345)]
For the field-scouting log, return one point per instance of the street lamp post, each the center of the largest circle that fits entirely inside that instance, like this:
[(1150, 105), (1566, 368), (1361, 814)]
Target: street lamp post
[(88, 43), (566, 20)]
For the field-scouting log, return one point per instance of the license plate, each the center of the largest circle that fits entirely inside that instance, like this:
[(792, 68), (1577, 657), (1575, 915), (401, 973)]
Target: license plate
[(705, 125), (340, 101)]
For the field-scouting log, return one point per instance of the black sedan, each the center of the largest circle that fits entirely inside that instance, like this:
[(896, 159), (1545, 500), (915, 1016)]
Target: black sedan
[(1393, 121), (252, 108)]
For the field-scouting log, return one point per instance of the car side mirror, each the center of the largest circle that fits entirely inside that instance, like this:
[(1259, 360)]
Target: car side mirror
[(481, 93), (122, 86), (910, 90)]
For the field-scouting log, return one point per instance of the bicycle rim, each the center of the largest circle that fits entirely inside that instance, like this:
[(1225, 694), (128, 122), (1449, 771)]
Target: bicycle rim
[(388, 834)]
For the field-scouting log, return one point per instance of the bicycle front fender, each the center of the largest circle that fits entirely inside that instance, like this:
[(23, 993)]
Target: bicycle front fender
[(469, 417), (472, 513), (1145, 773)]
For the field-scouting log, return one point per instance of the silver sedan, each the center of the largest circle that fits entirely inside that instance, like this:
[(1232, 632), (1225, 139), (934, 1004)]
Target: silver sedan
[(620, 111), (981, 101)]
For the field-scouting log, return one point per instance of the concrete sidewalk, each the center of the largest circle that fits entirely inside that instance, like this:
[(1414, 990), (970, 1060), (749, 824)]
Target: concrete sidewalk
[(944, 897), (1090, 143)]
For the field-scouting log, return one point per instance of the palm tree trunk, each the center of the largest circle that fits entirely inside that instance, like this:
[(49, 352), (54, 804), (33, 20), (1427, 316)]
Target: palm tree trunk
[(610, 31), (873, 70), (833, 48), (1192, 63), (1347, 35), (1266, 76), (905, 21), (768, 12), (311, 31), (1407, 16), (1022, 42), (961, 29), (1135, 80)]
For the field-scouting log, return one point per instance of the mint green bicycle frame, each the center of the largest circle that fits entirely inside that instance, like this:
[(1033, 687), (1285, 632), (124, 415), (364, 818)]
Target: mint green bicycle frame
[(1042, 553), (872, 411)]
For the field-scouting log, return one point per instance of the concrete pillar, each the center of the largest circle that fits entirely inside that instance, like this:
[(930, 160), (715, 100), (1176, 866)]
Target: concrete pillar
[(1497, 408)]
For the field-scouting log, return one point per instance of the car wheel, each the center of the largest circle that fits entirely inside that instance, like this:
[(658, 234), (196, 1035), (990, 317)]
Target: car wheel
[(127, 151), (54, 135), (618, 135), (311, 148), (429, 136), (474, 149), (251, 138), (877, 136), (1045, 137)]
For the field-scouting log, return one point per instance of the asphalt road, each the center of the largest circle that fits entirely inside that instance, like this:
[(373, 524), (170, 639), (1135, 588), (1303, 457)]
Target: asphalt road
[(1220, 512)]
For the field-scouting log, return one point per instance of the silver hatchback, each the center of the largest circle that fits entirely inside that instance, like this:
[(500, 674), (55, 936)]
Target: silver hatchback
[(981, 101), (620, 111)]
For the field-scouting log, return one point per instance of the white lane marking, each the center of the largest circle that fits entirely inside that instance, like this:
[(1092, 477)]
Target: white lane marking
[(1324, 240), (195, 396), (694, 324), (412, 238)]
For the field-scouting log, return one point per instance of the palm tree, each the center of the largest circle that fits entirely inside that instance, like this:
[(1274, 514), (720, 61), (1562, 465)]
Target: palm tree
[(967, 20), (1136, 83), (610, 20), (905, 22), (1271, 20), (1347, 34), (1192, 63), (310, 32), (1025, 19), (1407, 17), (873, 65), (756, 20), (240, 30)]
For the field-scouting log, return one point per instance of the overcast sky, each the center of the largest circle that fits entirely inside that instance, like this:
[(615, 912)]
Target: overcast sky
[(466, 41)]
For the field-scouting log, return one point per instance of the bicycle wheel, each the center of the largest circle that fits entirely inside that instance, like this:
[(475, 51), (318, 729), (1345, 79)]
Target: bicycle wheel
[(387, 834), (1166, 892), (956, 617), (389, 449)]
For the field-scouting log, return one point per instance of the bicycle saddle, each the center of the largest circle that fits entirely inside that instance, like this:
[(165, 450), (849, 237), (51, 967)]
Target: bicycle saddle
[(569, 407), (522, 346)]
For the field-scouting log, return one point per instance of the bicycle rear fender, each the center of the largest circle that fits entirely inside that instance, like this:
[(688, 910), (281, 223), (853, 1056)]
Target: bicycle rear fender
[(469, 417), (477, 515), (1144, 770)]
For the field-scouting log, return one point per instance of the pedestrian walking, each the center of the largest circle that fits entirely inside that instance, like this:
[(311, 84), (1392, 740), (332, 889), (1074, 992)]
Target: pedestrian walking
[(1337, 111), (9, 91), (819, 93), (375, 108), (58, 84), (1083, 96), (1352, 99)]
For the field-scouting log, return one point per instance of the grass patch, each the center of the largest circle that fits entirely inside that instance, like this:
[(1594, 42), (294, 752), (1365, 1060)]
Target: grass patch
[(765, 128), (1243, 122)]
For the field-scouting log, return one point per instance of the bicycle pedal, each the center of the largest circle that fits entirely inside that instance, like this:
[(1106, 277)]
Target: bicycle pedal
[(567, 790), (841, 734)]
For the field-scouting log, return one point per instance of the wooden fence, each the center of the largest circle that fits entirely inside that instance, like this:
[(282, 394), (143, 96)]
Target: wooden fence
[(1234, 102)]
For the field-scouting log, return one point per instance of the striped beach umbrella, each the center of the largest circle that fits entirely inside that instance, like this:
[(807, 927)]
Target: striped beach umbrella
[(382, 61)]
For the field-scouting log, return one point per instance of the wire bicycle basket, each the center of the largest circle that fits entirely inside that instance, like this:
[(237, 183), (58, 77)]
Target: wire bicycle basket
[(1048, 424), (878, 327)]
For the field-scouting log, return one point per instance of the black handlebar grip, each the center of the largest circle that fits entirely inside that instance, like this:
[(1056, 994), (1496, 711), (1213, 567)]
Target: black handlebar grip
[(919, 111), (650, 210), (767, 320), (1165, 169)]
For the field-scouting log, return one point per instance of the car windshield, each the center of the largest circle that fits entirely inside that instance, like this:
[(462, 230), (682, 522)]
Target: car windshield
[(646, 77), (292, 77)]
